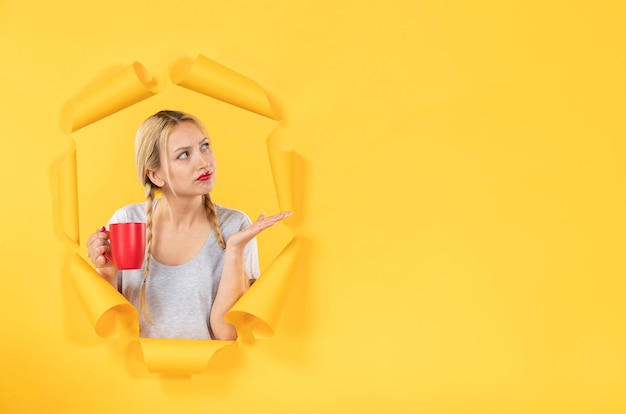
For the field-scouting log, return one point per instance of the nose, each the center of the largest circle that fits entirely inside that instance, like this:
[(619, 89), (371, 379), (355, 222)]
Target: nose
[(204, 161)]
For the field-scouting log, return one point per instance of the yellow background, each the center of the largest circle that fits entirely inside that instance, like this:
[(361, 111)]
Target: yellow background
[(461, 205)]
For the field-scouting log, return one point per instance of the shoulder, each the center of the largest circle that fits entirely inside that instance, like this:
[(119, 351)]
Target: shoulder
[(232, 218)]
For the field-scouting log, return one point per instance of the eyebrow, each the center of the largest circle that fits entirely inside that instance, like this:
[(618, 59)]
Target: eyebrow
[(188, 147)]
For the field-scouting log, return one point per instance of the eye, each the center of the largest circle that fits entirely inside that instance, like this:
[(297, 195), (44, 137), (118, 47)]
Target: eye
[(183, 155), (205, 146)]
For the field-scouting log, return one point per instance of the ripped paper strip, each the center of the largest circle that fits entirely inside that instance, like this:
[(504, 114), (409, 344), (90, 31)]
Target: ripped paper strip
[(257, 312), (212, 79), (122, 89), (111, 314), (65, 189), (179, 356)]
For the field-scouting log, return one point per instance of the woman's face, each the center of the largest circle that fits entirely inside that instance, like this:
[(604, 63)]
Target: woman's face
[(189, 160)]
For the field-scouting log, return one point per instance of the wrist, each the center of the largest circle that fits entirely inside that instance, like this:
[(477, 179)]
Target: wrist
[(234, 249)]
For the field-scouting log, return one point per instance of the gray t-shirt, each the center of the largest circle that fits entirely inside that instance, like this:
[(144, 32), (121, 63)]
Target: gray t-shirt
[(180, 297)]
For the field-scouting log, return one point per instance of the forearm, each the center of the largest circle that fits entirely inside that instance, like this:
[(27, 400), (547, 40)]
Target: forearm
[(233, 284)]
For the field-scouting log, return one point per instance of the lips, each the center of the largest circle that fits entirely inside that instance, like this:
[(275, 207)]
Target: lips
[(205, 176)]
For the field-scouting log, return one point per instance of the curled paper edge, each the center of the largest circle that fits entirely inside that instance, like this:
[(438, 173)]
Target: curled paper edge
[(65, 196), (179, 356), (256, 314), (107, 96), (111, 313), (282, 165), (213, 79), (282, 159)]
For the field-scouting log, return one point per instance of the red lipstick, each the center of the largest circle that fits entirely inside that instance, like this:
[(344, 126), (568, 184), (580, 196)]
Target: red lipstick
[(205, 176)]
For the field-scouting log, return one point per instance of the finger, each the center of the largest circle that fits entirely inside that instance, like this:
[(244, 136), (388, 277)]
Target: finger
[(96, 242), (261, 225), (283, 215), (98, 257), (276, 218), (98, 247), (97, 238), (101, 250), (100, 261)]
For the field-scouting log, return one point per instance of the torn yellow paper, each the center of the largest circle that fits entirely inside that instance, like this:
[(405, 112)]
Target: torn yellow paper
[(65, 189), (217, 81), (179, 356), (281, 162), (110, 313), (257, 313), (107, 96)]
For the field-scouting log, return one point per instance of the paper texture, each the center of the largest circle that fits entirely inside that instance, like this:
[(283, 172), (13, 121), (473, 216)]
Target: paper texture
[(120, 90), (258, 312), (210, 78), (66, 197)]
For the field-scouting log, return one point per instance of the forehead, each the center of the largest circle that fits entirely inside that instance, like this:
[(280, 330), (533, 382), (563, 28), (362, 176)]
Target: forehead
[(184, 134)]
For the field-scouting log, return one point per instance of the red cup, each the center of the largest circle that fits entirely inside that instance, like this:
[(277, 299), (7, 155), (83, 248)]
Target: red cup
[(128, 245)]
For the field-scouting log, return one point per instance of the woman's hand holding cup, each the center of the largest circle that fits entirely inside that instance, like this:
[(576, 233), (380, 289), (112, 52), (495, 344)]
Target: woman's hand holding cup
[(120, 247), (97, 247)]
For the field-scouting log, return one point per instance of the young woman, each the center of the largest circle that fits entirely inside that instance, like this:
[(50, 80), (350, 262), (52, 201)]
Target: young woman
[(200, 257)]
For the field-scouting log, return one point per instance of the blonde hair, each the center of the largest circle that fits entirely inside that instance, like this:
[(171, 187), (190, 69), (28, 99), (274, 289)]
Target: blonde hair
[(151, 137)]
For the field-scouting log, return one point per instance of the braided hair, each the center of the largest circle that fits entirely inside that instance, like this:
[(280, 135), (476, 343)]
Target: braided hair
[(150, 139)]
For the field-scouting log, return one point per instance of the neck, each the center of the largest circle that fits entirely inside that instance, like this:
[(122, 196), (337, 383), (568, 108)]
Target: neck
[(182, 213)]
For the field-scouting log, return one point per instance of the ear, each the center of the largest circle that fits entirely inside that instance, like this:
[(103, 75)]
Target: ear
[(155, 178)]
